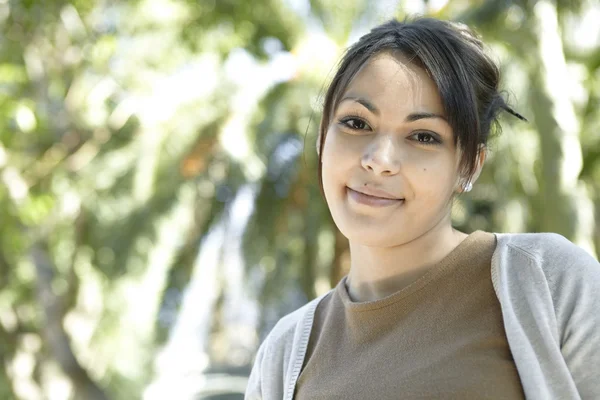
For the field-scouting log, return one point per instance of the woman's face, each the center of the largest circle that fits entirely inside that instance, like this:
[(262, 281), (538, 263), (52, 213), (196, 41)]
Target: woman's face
[(389, 133)]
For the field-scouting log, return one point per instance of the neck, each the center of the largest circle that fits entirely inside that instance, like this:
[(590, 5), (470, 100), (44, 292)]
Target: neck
[(377, 272)]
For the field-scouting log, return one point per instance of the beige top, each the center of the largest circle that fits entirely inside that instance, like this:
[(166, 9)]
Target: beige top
[(440, 337)]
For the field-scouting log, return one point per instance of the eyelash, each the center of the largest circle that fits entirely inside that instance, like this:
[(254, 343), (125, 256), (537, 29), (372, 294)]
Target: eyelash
[(344, 122)]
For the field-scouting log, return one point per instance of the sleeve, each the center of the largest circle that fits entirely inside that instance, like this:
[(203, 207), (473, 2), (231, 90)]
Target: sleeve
[(578, 314), (254, 387)]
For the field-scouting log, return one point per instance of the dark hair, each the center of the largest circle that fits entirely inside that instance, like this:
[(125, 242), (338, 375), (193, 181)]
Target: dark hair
[(466, 78)]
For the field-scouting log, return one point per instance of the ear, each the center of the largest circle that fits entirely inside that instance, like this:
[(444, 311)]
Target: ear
[(320, 136), (318, 144), (481, 156)]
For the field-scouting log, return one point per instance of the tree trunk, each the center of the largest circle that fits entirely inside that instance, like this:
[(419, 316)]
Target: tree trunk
[(565, 206), (56, 337)]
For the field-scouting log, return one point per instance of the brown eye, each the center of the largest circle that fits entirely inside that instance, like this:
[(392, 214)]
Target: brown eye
[(426, 138), (355, 123)]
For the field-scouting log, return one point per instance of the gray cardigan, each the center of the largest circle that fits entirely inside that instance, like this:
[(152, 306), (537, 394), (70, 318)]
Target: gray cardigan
[(549, 292)]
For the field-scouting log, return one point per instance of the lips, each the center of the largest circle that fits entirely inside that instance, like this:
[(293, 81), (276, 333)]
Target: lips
[(377, 193), (372, 201)]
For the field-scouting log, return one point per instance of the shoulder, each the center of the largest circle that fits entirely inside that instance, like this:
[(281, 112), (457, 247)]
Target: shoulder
[(275, 352), (553, 253), (550, 287), (549, 248), (534, 244), (283, 334)]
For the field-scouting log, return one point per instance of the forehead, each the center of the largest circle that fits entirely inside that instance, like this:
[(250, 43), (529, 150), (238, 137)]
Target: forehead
[(393, 80)]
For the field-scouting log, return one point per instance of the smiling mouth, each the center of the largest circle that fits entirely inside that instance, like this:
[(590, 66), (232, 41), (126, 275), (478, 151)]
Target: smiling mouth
[(387, 196), (369, 200), (375, 197)]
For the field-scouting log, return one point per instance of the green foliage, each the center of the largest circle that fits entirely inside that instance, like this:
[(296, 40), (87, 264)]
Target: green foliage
[(115, 163)]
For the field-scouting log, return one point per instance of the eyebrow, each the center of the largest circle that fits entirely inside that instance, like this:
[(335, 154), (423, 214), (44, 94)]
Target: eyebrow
[(412, 117)]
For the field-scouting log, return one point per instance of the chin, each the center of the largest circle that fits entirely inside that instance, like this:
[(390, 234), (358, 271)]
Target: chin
[(373, 236)]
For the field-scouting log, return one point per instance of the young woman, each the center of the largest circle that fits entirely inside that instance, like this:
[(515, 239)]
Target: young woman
[(427, 311)]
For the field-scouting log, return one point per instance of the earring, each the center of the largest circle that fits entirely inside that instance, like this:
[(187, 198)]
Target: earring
[(467, 186)]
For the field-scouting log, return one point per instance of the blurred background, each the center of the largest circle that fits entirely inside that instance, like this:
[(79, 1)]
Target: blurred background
[(159, 202)]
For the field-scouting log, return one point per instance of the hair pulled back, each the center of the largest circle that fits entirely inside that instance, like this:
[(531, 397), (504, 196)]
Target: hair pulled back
[(466, 77)]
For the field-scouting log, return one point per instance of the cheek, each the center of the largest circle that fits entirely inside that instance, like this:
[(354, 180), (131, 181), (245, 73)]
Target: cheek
[(337, 153), (331, 164), (433, 176)]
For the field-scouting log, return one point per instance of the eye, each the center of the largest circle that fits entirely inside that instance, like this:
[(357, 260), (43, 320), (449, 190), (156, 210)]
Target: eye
[(354, 123), (426, 138)]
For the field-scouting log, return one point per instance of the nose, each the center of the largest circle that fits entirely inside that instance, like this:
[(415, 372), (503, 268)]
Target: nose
[(382, 156)]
